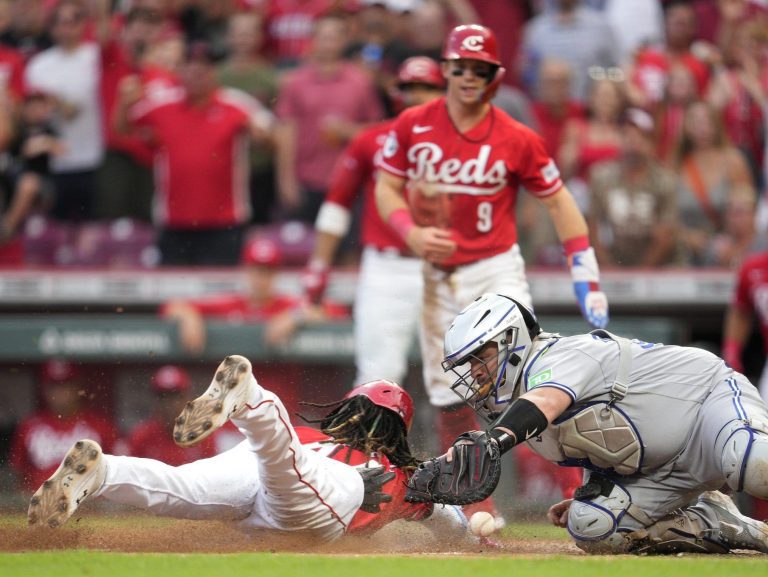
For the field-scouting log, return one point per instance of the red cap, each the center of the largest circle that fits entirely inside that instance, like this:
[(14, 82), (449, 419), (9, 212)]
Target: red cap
[(420, 70), (59, 371), (262, 251), (473, 42), (170, 379), (388, 395)]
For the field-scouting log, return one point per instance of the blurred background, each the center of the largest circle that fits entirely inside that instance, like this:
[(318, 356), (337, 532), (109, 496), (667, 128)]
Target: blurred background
[(141, 242)]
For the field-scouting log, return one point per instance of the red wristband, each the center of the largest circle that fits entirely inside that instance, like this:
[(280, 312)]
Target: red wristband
[(576, 244), (732, 349), (401, 222)]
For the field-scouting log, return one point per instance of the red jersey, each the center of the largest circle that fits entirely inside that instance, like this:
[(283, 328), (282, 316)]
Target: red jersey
[(152, 439), (12, 72), (397, 509), (751, 292), (41, 441), (468, 182), (355, 172), (290, 24), (201, 158)]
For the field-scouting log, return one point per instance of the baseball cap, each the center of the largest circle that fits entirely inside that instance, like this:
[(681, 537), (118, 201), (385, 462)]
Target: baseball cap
[(261, 251), (59, 371), (170, 379)]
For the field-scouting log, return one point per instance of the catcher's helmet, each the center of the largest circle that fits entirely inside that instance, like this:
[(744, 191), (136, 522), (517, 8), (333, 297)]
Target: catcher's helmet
[(489, 318), (387, 395), (473, 42), (420, 70)]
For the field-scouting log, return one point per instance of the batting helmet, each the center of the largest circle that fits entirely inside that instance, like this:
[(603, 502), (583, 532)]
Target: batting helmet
[(387, 395), (420, 70), (473, 42)]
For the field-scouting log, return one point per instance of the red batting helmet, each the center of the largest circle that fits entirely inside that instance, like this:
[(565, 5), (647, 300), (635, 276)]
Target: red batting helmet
[(420, 70), (387, 395), (473, 42)]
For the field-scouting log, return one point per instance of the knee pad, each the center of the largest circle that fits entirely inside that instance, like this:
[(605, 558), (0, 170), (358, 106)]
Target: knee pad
[(593, 519), (744, 458)]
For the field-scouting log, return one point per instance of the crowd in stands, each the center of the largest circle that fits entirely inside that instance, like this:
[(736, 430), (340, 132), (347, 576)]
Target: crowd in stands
[(168, 132)]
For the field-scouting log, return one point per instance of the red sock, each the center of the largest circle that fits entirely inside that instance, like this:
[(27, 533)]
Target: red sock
[(760, 509), (453, 421)]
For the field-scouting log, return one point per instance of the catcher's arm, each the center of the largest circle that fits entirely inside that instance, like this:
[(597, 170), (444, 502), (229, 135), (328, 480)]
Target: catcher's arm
[(470, 471)]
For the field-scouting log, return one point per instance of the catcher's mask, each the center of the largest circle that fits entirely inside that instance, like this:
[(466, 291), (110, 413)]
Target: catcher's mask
[(486, 347)]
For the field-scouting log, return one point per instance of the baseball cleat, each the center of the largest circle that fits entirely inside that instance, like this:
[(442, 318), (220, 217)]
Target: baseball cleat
[(79, 475), (227, 394), (736, 531)]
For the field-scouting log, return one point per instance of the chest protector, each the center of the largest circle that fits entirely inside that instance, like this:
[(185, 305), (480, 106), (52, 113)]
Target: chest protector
[(600, 435)]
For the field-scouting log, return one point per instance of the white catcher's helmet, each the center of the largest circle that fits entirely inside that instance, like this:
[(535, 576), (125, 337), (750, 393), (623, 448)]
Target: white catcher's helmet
[(489, 318)]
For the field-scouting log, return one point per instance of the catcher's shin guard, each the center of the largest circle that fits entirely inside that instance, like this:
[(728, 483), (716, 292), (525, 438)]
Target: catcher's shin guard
[(744, 457), (226, 396), (80, 474)]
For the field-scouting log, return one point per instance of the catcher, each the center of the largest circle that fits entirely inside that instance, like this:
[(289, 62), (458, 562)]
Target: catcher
[(659, 428), (349, 476)]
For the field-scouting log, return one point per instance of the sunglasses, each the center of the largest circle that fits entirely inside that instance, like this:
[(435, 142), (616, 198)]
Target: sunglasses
[(459, 70)]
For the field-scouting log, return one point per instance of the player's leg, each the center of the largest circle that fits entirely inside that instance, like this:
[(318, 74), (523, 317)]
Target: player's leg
[(386, 314), (300, 490), (218, 488)]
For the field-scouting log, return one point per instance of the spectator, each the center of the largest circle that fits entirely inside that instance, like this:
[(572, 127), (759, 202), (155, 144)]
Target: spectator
[(709, 169), (42, 439), (201, 198), (246, 70), (28, 32), (36, 142), (737, 239), (153, 437), (11, 65), (321, 105), (647, 75), (737, 92), (636, 25), (633, 217), (679, 92), (290, 25), (261, 260), (69, 72), (126, 186), (575, 34), (597, 138)]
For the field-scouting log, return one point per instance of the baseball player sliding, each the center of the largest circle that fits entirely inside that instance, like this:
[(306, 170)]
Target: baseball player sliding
[(450, 173), (659, 427), (347, 477)]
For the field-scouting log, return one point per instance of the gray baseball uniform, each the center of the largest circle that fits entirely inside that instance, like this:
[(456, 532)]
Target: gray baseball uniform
[(658, 438)]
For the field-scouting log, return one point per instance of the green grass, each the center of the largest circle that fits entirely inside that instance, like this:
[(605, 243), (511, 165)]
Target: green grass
[(79, 563)]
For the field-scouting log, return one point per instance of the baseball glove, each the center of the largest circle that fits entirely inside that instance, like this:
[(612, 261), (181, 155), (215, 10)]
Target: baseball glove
[(470, 476)]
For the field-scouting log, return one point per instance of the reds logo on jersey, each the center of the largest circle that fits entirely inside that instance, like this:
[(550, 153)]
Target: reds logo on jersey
[(472, 43), (450, 175)]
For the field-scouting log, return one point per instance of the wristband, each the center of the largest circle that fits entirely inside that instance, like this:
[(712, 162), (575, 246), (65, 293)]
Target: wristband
[(576, 244), (401, 222), (731, 353)]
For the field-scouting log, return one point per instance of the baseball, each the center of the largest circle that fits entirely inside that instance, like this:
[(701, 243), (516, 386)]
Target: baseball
[(482, 524)]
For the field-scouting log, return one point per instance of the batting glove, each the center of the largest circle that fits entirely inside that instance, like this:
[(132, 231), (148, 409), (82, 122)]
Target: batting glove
[(314, 280), (586, 285)]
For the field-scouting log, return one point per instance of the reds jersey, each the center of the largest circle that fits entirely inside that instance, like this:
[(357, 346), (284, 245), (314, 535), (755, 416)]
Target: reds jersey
[(355, 171), (467, 182), (201, 158), (752, 290), (42, 440), (398, 508)]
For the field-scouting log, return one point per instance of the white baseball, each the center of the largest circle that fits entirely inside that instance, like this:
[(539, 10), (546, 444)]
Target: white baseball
[(482, 524)]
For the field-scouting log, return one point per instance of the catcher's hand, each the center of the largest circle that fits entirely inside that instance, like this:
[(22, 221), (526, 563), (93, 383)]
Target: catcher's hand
[(374, 478), (468, 473)]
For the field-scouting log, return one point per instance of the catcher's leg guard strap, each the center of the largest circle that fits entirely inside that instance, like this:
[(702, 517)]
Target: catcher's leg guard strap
[(596, 509)]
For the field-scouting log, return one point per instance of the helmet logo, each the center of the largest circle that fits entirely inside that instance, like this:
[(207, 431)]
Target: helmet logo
[(472, 43)]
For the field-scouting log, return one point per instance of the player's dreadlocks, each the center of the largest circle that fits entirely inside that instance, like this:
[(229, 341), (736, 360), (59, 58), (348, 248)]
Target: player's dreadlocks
[(364, 426)]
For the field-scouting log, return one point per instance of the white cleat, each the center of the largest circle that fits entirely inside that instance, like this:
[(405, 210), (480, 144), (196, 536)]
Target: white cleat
[(227, 395), (736, 531), (79, 475)]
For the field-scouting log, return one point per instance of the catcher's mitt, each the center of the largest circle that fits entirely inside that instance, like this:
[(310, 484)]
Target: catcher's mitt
[(469, 477)]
